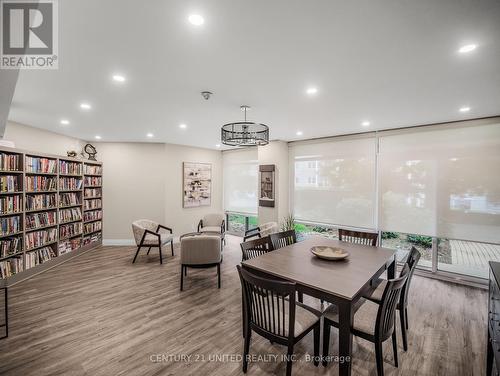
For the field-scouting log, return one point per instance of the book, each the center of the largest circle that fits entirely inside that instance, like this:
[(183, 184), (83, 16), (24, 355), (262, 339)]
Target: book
[(70, 168), (39, 238), (93, 215), (40, 165), (93, 169), (10, 225), (41, 201), (9, 162), (69, 199), (11, 266), (11, 204), (93, 181), (10, 183), (38, 257), (70, 215), (43, 219), (70, 183), (92, 204), (10, 246), (41, 183)]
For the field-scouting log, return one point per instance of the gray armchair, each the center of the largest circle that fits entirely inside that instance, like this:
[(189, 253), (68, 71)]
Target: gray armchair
[(200, 251), (149, 234), (213, 223)]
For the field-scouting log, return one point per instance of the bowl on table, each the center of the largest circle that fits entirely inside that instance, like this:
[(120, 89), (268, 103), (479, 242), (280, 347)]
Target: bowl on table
[(329, 253)]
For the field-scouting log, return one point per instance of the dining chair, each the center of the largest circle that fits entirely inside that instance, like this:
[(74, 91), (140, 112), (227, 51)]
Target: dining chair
[(261, 231), (271, 311), (402, 306), (282, 239), (372, 322), (358, 237), (255, 247)]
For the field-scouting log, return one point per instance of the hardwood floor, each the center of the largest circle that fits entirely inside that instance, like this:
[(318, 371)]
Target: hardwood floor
[(99, 314)]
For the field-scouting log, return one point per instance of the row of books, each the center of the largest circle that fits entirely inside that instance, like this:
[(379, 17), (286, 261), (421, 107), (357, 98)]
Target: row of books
[(96, 236), (69, 230), (38, 257), (93, 192), (69, 245), (40, 202), (93, 181), (41, 183), (10, 183), (43, 219), (93, 215), (11, 266), (93, 169), (70, 214), (70, 183), (93, 204), (40, 165), (38, 238), (10, 225), (10, 162), (9, 246), (11, 204), (69, 198), (92, 227), (70, 168)]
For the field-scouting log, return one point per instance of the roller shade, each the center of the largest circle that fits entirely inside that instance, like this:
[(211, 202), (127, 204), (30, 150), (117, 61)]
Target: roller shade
[(240, 174)]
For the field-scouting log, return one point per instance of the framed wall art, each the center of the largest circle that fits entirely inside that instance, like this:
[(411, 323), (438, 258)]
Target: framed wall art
[(197, 182), (266, 185)]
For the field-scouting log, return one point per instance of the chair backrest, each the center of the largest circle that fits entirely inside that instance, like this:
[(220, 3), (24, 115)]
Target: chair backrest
[(387, 308), (255, 247), (201, 249), (358, 237), (411, 261), (268, 228), (213, 219), (282, 239), (269, 305), (252, 233), (139, 226)]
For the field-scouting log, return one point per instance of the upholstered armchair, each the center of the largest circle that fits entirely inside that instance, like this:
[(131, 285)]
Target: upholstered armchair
[(262, 231), (213, 223), (200, 251), (149, 234)]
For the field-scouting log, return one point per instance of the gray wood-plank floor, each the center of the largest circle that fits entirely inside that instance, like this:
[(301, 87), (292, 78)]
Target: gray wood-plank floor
[(99, 314)]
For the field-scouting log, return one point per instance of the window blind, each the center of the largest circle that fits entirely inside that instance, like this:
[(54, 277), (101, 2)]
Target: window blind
[(334, 181), (442, 182), (240, 175)]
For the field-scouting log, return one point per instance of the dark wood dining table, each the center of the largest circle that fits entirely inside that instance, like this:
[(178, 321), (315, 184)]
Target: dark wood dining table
[(339, 282)]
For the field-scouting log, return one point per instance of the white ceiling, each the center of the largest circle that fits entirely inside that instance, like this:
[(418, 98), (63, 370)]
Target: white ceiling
[(392, 62)]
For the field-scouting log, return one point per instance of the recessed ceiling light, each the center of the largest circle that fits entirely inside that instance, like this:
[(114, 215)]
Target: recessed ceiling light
[(365, 124), (196, 19), (312, 90), (217, 145), (119, 78), (464, 109), (467, 48), (85, 106), (64, 122), (182, 126), (97, 137), (299, 133), (150, 135)]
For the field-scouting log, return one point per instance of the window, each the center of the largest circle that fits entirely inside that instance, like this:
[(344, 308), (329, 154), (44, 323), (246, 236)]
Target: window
[(334, 181), (240, 172), (403, 243), (237, 224)]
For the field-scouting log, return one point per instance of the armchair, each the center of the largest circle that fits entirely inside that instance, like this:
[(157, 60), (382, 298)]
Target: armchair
[(148, 234), (213, 223)]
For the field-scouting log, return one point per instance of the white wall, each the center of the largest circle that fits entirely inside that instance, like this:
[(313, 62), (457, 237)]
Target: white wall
[(39, 140), (276, 152)]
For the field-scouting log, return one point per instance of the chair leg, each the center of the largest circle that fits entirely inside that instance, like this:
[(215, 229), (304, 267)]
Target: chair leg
[(246, 348), (402, 318), (182, 275), (326, 341), (316, 333), (395, 347), (218, 276), (172, 246), (149, 249), (185, 271), (300, 296), (406, 317), (138, 249), (289, 362), (379, 358), (161, 258)]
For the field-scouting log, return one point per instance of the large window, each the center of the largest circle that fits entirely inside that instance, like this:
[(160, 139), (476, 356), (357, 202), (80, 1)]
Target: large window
[(240, 172), (334, 181)]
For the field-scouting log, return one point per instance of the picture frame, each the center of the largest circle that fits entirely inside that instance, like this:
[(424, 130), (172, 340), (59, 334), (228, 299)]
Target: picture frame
[(197, 184), (267, 194)]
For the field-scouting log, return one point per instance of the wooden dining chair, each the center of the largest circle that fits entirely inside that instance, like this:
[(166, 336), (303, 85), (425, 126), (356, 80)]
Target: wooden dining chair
[(271, 311), (256, 247), (402, 306), (372, 322), (282, 239), (358, 237)]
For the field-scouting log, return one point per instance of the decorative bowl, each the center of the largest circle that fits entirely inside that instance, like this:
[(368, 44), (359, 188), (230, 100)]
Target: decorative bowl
[(329, 253)]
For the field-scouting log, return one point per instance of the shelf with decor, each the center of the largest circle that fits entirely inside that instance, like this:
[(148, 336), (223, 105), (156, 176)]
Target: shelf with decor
[(42, 210)]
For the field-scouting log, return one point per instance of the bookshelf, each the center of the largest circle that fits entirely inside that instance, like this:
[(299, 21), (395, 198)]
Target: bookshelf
[(50, 210)]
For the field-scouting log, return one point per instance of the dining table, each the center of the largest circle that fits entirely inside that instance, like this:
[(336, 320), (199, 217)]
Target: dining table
[(341, 282)]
